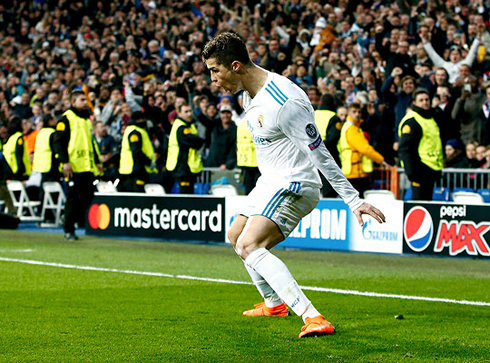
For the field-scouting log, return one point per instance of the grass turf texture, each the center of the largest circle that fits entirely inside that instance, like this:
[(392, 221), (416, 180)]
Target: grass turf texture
[(52, 314)]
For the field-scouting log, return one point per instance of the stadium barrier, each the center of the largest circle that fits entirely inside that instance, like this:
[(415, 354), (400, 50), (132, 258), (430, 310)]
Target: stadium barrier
[(429, 228)]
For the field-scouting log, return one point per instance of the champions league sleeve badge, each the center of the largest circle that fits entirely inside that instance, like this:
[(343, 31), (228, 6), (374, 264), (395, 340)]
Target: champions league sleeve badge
[(311, 131)]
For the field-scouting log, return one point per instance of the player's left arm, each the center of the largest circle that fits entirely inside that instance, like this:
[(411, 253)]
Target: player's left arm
[(296, 121)]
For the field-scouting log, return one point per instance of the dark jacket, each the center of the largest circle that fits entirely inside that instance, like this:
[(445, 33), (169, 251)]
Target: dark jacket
[(223, 147)]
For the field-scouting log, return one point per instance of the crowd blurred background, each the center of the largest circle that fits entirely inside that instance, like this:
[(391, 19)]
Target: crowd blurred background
[(140, 55)]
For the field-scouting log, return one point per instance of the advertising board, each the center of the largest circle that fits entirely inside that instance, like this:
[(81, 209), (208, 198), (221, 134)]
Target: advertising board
[(198, 218), (446, 229)]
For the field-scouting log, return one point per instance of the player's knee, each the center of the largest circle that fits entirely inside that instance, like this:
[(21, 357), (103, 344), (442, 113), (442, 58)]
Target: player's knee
[(243, 248)]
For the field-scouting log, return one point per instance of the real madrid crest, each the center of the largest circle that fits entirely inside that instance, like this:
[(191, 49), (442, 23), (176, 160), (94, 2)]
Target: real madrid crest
[(260, 120)]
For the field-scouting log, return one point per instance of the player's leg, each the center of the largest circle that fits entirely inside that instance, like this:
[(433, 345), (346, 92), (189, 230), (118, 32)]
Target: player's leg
[(260, 235), (262, 232), (272, 303)]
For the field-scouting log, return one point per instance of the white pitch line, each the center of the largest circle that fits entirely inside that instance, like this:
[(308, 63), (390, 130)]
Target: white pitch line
[(225, 281), (17, 250)]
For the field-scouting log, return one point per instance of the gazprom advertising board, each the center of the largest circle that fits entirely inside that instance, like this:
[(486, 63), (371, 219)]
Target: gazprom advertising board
[(332, 226), (447, 229), (199, 218)]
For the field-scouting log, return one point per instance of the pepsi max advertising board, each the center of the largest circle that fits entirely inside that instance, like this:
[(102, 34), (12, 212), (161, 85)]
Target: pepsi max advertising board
[(446, 229), (166, 217)]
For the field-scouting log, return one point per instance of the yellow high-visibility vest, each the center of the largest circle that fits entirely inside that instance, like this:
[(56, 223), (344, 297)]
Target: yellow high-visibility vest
[(81, 146), (345, 152), (245, 148), (127, 162), (322, 119), (43, 155), (193, 160), (9, 153), (430, 146)]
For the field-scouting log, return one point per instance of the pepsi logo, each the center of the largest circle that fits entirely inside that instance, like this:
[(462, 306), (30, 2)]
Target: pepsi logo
[(418, 228)]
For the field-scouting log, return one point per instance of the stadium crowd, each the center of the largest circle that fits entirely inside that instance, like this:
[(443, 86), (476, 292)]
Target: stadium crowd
[(133, 56)]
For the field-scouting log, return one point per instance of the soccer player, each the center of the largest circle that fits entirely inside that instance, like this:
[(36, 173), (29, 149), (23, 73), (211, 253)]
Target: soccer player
[(289, 153)]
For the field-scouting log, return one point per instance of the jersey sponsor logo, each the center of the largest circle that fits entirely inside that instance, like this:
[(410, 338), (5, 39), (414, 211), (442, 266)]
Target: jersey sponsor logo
[(418, 228), (311, 131), (260, 121), (261, 140), (316, 143)]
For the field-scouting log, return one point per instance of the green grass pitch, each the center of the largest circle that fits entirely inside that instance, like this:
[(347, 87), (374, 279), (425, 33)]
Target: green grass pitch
[(56, 314)]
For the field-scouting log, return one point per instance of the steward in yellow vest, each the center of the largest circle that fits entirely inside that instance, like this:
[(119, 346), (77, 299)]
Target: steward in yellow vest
[(137, 155), (78, 153), (45, 161), (15, 152), (329, 125), (183, 158), (420, 147), (246, 156), (4, 192), (356, 155)]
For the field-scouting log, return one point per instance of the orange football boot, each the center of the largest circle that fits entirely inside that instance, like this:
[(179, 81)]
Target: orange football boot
[(262, 310), (315, 327)]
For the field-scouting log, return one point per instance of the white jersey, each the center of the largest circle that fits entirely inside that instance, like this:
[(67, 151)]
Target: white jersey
[(289, 146)]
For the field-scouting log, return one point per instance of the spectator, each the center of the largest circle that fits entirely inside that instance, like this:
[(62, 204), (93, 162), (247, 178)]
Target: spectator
[(398, 101), (467, 110), (222, 151), (455, 157), (455, 58), (356, 154)]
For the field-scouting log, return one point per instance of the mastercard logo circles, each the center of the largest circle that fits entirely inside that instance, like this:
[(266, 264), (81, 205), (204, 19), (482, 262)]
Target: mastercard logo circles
[(99, 216)]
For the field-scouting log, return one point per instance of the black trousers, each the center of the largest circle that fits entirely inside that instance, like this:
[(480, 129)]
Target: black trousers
[(424, 189), (250, 176), (133, 183), (79, 195)]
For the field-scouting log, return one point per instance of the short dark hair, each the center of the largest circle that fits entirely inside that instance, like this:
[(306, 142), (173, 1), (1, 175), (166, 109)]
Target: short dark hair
[(226, 48), (355, 105), (419, 91), (76, 93), (179, 107)]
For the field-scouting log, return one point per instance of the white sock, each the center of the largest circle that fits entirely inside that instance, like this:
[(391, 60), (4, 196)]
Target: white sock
[(271, 298), (310, 312), (277, 275)]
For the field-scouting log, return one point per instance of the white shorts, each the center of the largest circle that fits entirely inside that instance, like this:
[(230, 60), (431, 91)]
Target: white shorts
[(285, 205)]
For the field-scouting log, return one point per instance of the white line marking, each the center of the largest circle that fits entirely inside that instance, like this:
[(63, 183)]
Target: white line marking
[(17, 250), (225, 281)]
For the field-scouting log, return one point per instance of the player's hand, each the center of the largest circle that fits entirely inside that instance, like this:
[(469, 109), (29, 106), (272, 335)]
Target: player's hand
[(368, 209)]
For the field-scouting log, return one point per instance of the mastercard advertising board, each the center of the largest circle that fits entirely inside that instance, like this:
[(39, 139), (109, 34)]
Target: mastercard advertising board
[(446, 229), (167, 217)]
